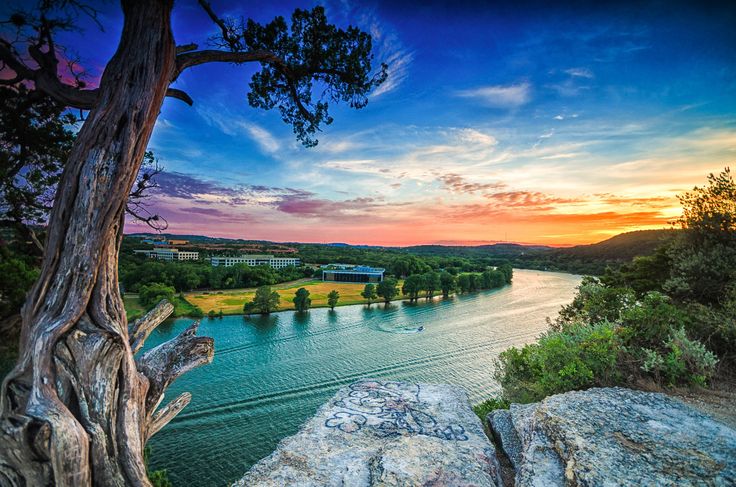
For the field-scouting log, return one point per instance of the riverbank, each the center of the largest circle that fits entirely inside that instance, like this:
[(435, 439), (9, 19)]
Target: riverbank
[(285, 365), (231, 302)]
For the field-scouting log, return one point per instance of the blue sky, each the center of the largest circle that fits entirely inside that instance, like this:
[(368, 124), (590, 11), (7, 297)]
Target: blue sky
[(520, 122)]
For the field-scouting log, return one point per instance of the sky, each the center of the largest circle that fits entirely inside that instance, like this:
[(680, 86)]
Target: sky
[(520, 123)]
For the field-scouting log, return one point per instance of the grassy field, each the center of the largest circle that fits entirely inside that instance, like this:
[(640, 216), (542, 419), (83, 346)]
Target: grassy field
[(231, 301), (134, 309)]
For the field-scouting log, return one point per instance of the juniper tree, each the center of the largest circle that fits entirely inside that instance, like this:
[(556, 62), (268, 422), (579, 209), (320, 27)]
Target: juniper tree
[(79, 406)]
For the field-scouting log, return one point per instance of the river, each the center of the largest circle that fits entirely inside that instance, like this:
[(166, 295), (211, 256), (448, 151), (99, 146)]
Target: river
[(271, 373)]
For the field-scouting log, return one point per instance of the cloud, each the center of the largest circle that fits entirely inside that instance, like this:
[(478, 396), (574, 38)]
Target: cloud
[(261, 136), (398, 60), (500, 96), (387, 46), (528, 199), (458, 184), (180, 185), (580, 73), (311, 207), (237, 126)]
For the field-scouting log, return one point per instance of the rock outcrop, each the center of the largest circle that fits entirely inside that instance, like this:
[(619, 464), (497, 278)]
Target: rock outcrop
[(614, 436), (385, 433)]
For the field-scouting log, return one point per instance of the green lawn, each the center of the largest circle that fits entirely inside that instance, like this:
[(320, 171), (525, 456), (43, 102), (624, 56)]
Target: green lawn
[(134, 309), (231, 301)]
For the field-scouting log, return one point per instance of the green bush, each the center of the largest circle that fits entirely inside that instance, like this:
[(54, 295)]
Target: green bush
[(151, 294), (715, 326), (483, 409), (594, 303), (651, 321), (684, 361), (574, 357)]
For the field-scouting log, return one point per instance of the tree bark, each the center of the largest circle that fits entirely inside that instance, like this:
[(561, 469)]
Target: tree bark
[(78, 409)]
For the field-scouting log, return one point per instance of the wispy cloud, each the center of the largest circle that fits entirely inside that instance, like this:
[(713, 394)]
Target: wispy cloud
[(458, 184), (580, 73), (238, 126), (500, 96), (387, 46)]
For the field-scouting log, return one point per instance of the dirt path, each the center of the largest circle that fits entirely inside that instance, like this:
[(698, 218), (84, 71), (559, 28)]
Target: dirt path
[(718, 402)]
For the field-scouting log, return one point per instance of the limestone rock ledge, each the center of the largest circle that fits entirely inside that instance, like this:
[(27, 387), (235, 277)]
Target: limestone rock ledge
[(614, 436), (382, 433)]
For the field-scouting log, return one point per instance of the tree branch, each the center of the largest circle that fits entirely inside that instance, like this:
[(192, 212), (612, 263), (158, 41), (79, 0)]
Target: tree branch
[(186, 47), (179, 95), (189, 59), (232, 41), (143, 326), (163, 416), (163, 364)]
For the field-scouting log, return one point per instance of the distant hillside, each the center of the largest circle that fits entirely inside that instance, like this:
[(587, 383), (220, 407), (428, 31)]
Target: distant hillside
[(625, 246), (582, 259)]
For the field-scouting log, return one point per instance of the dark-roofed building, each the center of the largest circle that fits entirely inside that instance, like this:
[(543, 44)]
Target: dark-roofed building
[(352, 273)]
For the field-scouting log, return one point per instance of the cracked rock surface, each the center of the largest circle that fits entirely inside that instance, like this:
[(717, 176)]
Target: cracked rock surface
[(383, 433), (614, 436)]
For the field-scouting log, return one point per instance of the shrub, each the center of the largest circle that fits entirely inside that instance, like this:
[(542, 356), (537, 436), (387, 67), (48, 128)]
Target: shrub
[(482, 410), (714, 326), (594, 303), (684, 361), (575, 357), (650, 322), (151, 294)]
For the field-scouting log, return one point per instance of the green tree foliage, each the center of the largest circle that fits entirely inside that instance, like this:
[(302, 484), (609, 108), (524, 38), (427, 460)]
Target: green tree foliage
[(332, 298), (387, 289), (136, 270), (312, 51), (473, 282), (703, 257), (448, 283), (407, 265), (642, 274), (430, 283), (149, 295), (37, 136), (301, 300), (17, 277), (264, 302), (508, 272), (463, 283), (412, 286), (369, 293)]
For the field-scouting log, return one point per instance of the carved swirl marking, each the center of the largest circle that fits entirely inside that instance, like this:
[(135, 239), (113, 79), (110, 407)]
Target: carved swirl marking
[(389, 409)]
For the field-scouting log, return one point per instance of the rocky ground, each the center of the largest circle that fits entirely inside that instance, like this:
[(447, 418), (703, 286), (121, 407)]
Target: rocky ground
[(382, 433), (385, 433), (614, 436)]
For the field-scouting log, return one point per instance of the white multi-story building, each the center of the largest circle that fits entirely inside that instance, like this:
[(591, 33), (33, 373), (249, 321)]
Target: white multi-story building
[(253, 260), (169, 254)]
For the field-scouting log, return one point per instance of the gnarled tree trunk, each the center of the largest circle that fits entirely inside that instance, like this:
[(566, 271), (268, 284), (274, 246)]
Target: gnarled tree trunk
[(78, 408)]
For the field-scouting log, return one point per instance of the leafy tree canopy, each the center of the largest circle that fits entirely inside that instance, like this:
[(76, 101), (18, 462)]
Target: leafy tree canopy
[(301, 300), (264, 301)]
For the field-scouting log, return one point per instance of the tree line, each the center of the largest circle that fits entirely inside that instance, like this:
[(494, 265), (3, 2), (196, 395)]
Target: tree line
[(266, 300), (137, 271)]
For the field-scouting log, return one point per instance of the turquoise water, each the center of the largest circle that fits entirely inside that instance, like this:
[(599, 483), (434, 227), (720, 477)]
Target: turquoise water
[(271, 373)]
